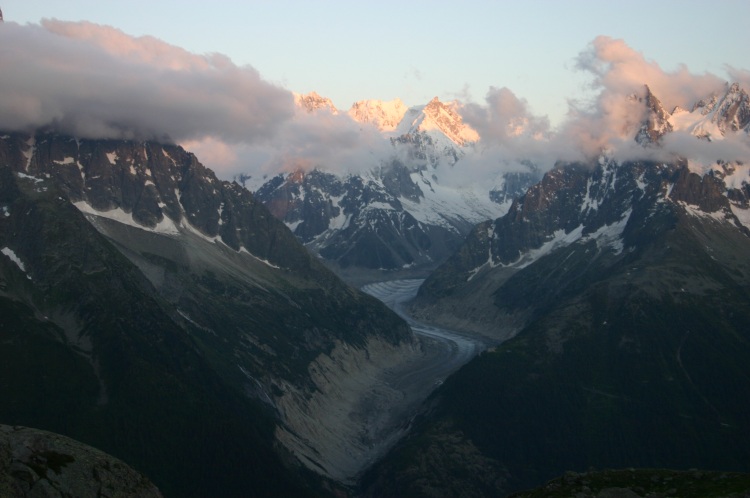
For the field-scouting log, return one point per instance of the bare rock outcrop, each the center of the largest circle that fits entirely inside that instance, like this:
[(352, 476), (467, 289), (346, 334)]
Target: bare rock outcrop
[(43, 464)]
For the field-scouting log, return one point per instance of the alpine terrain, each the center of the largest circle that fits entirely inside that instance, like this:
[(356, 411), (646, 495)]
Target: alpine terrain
[(449, 299), (166, 317), (398, 214), (620, 293)]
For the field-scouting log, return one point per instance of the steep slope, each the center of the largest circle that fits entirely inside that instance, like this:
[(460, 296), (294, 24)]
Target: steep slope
[(226, 316), (91, 351), (624, 289)]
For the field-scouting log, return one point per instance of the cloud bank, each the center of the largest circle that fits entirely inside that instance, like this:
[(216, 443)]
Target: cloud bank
[(95, 81), (608, 121)]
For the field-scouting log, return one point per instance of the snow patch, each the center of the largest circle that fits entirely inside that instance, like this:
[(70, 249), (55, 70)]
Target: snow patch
[(611, 235), (559, 239), (112, 157), (29, 177), (742, 214), (166, 154), (719, 216), (13, 257), (341, 221), (166, 226), (446, 207), (294, 224), (264, 261), (589, 204), (66, 160), (738, 178), (29, 154), (641, 182)]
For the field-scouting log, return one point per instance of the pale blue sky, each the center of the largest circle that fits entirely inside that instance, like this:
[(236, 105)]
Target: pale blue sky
[(415, 50)]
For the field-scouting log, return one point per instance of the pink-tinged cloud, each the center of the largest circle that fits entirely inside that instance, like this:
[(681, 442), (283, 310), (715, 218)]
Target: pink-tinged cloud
[(503, 118), (617, 68), (607, 123), (620, 75), (95, 81)]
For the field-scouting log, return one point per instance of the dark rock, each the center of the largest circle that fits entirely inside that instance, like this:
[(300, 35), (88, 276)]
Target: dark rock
[(36, 463)]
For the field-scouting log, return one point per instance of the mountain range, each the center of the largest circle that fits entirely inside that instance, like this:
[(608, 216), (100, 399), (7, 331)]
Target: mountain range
[(618, 293), (167, 317), (404, 214), (177, 321), (399, 215)]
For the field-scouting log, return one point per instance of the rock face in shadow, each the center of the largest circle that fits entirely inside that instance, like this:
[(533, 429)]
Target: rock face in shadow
[(42, 464), (629, 285), (157, 313)]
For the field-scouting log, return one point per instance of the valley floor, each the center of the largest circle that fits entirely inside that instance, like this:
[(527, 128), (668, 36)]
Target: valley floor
[(366, 399)]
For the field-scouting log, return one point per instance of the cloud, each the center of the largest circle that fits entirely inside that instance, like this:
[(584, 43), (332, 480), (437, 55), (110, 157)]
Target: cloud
[(95, 81), (511, 138), (334, 142), (503, 118), (617, 68), (607, 122), (619, 78)]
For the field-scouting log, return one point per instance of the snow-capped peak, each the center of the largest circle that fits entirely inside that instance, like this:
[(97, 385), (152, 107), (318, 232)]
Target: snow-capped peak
[(438, 116), (711, 118), (384, 115), (311, 102)]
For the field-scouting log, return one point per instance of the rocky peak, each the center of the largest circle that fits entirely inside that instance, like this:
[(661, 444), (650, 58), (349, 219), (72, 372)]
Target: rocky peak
[(732, 113), (385, 115), (704, 106), (312, 102), (656, 123), (156, 187), (441, 117)]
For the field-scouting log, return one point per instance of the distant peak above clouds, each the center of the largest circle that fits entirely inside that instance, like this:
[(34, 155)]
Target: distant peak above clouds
[(393, 117), (446, 118), (311, 102), (384, 115), (714, 117)]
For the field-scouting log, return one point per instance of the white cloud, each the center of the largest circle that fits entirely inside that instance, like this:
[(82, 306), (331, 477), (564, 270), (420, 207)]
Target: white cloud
[(97, 82)]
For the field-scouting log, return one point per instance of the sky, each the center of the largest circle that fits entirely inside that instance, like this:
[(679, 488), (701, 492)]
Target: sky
[(416, 50), (216, 76)]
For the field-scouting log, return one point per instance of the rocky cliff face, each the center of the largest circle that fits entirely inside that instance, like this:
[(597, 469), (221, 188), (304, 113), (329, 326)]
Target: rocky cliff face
[(609, 204), (148, 289), (362, 221)]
